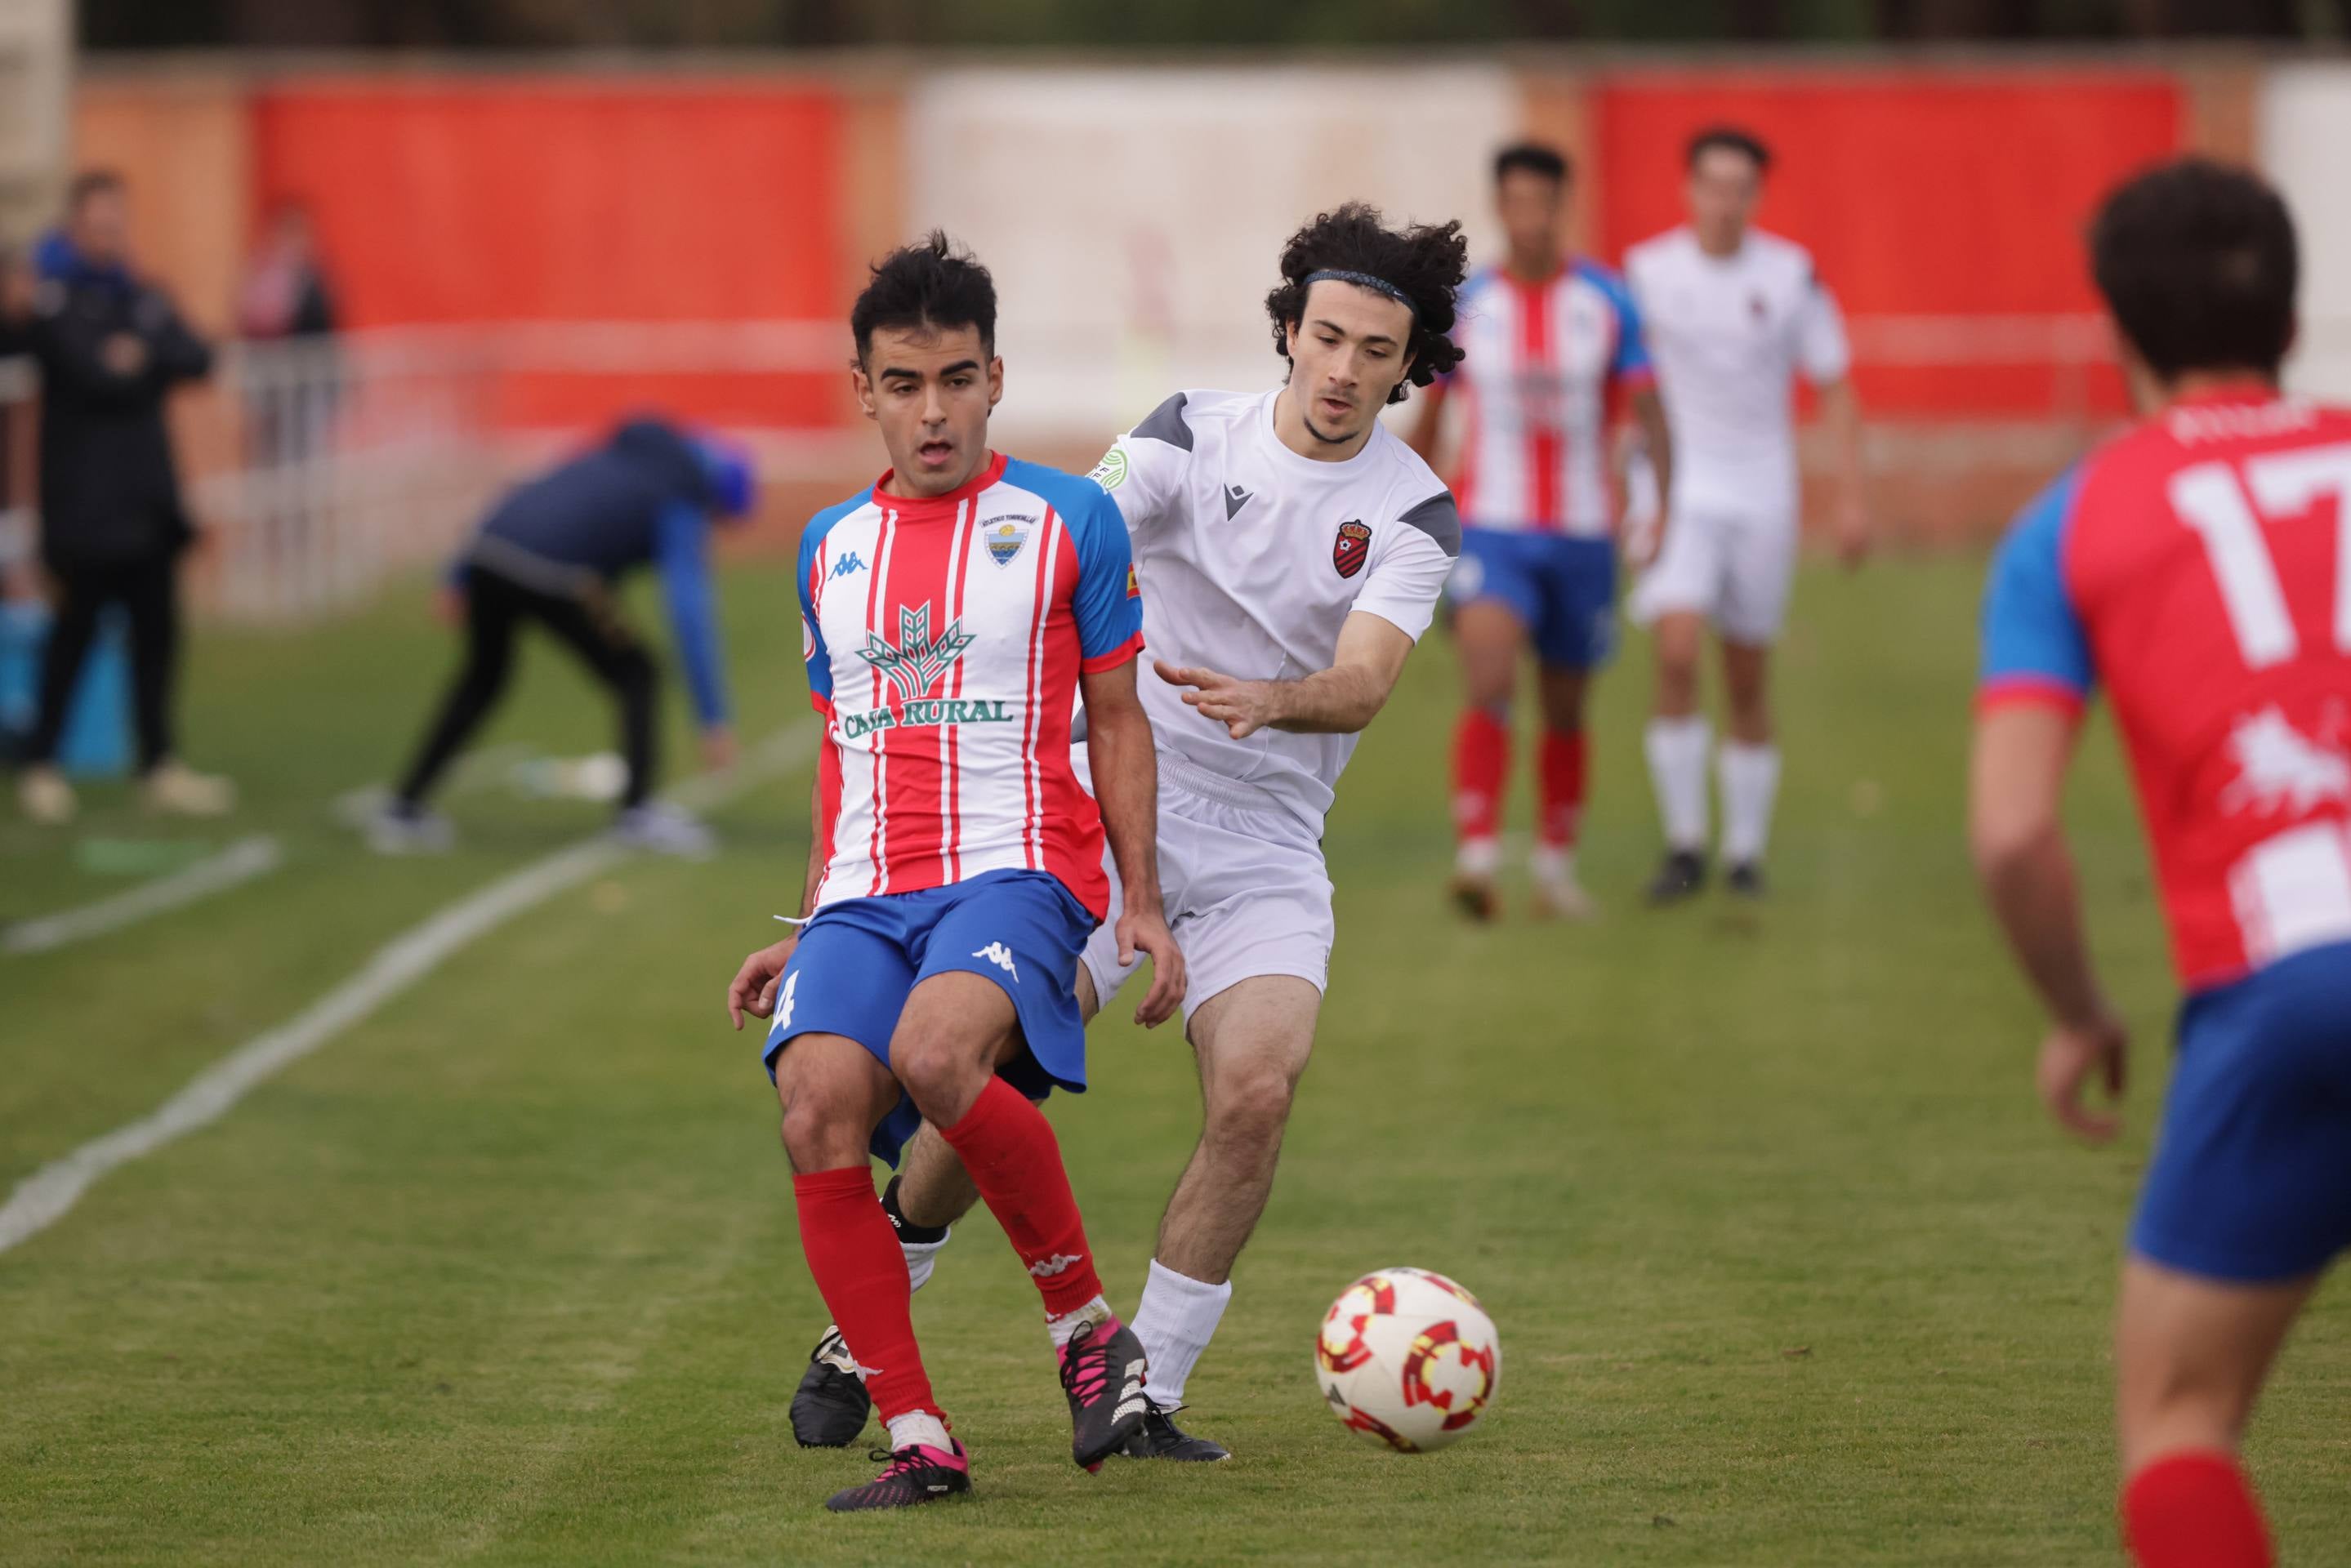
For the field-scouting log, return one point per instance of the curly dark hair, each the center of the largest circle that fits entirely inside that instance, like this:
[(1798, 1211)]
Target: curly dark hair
[(1426, 261), (2200, 263), (932, 283)]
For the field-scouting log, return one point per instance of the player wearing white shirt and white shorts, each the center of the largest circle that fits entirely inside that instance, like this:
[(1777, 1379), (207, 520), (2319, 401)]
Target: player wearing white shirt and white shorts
[(1733, 315), (1290, 551)]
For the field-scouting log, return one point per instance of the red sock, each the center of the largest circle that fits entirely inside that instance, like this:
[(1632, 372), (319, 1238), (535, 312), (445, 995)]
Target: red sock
[(1015, 1160), (860, 1271), (1561, 788), (1482, 765), (2194, 1510)]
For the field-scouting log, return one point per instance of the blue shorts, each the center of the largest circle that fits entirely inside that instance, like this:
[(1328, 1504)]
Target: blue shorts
[(859, 958), (2252, 1179), (1562, 588)]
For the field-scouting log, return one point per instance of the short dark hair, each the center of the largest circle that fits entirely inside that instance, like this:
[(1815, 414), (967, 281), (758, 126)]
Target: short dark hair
[(933, 284), (1533, 158), (1736, 139), (2199, 264), (92, 183), (1424, 262)]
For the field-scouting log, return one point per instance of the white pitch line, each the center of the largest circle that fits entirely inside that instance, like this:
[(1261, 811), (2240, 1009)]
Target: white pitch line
[(240, 862), (43, 1198)]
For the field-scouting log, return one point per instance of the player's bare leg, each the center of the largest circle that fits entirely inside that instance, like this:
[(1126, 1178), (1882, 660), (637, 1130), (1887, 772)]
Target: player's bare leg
[(1492, 642), (1676, 745), (1252, 1042), (1558, 792), (1748, 764), (2190, 1356), (956, 1031)]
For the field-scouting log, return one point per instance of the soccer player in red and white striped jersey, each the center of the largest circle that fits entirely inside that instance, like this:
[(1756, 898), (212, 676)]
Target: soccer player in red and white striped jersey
[(951, 615), (1553, 358)]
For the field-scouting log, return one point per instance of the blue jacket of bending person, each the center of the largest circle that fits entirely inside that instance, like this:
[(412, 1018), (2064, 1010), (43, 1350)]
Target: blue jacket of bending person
[(648, 496)]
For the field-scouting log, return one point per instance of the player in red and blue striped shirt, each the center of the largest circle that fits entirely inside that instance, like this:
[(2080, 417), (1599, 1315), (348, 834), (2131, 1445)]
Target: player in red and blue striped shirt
[(1553, 358), (2197, 568), (951, 615)]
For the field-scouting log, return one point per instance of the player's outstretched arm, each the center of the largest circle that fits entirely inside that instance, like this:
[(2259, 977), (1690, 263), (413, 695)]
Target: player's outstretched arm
[(2013, 827), (1339, 700), (753, 989), (1126, 786)]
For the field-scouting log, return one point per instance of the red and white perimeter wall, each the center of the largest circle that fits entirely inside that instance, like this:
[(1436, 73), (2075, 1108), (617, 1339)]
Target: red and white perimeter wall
[(1132, 215)]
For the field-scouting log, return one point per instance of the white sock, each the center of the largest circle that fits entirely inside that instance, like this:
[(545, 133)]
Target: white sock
[(1177, 1318), (1477, 858), (1677, 749), (919, 1427), (1550, 863), (1751, 778), (922, 1257), (1063, 1326)]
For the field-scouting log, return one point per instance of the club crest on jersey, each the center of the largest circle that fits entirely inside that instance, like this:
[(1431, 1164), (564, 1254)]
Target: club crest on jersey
[(1351, 548), (917, 661), (1004, 537)]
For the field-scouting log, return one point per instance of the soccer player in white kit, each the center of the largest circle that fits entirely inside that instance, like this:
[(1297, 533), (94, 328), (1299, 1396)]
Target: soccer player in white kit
[(1733, 315), (1290, 551)]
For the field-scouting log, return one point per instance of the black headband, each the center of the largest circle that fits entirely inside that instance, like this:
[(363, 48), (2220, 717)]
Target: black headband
[(1365, 280)]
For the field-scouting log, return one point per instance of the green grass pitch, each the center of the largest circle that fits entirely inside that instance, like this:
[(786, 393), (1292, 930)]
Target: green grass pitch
[(1788, 1265)]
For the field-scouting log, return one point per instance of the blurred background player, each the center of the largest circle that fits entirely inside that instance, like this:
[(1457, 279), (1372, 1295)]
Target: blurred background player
[(112, 347), (1272, 531), (2195, 567), (1733, 315), (1553, 353), (553, 553), (286, 297), (952, 614)]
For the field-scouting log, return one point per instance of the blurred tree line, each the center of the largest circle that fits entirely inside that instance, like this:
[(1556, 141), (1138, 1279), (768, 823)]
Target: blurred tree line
[(1105, 25)]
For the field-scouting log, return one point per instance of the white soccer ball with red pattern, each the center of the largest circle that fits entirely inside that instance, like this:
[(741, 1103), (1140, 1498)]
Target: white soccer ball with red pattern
[(1408, 1358)]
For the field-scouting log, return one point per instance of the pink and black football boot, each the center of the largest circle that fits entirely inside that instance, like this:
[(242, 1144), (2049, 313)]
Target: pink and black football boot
[(1103, 1374), (917, 1473)]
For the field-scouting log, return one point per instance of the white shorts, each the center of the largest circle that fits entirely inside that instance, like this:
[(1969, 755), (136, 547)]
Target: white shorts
[(1733, 567), (1244, 886)]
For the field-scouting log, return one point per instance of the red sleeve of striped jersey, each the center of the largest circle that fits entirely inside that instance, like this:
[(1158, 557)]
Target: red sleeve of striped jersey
[(1114, 658)]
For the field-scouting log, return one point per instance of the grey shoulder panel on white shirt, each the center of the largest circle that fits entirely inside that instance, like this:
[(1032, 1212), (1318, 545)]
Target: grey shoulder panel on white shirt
[(1166, 423), (1437, 518)]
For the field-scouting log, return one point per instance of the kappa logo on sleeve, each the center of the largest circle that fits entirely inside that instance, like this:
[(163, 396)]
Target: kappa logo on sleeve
[(1351, 548)]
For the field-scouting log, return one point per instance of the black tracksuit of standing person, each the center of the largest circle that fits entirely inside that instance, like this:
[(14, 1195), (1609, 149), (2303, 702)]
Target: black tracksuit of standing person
[(112, 347)]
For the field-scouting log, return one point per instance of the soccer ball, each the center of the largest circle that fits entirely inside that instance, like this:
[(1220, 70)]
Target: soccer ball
[(1408, 1358)]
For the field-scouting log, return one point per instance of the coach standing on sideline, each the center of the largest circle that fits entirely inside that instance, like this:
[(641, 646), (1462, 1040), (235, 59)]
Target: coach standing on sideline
[(111, 347)]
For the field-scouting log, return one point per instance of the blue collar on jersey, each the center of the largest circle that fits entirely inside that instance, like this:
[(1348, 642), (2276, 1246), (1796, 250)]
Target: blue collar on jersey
[(1365, 280)]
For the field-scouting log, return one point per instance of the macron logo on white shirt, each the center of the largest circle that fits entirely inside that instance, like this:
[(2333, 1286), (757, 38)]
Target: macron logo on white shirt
[(1000, 956)]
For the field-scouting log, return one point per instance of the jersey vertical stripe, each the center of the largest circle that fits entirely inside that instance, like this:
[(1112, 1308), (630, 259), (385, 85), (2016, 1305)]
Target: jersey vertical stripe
[(1539, 350), (1032, 783), (877, 606), (950, 736)]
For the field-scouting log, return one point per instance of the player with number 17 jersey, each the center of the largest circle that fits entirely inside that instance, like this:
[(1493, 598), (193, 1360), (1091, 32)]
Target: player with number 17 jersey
[(2191, 567)]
